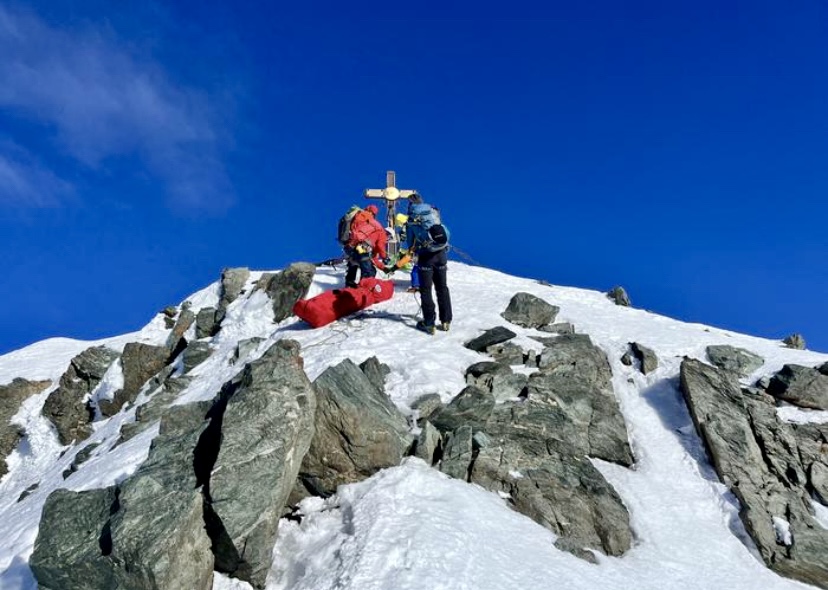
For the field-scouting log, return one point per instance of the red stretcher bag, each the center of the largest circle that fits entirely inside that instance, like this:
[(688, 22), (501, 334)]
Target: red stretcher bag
[(329, 306)]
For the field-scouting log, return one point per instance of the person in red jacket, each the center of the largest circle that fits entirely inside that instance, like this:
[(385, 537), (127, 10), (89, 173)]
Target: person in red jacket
[(366, 248)]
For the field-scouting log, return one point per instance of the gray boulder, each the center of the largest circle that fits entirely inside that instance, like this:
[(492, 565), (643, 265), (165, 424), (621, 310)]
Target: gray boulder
[(489, 338), (196, 353), (426, 405), (139, 362), (175, 340), (756, 456), (823, 368), (150, 412), (529, 311), (802, 386), (619, 296), (266, 430), (457, 456), (561, 328), (470, 407), (67, 406), (288, 287), (12, 396), (358, 431), (647, 359), (428, 443), (795, 341), (208, 322), (73, 545), (232, 283), (375, 371), (81, 457), (738, 360), (245, 347), (507, 353), (812, 440)]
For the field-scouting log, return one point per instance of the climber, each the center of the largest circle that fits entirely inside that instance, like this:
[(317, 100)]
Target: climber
[(427, 239), (365, 247)]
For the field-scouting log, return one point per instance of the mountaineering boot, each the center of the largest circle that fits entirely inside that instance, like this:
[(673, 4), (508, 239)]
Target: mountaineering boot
[(444, 327), (412, 290), (423, 327)]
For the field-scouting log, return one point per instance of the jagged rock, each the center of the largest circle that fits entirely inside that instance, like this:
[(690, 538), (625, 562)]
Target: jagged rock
[(570, 546), (428, 443), (740, 361), (208, 322), (457, 456), (545, 340), (574, 357), (426, 405), (12, 396), (506, 387), (72, 547), (139, 362), (196, 353), (795, 341), (756, 456), (647, 359), (67, 406), (232, 283), (245, 347), (529, 311), (619, 296), (627, 359), (288, 287), (375, 371), (157, 531), (818, 476), (497, 378), (358, 431), (182, 324), (812, 440), (146, 414), (801, 386), (168, 322), (507, 353), (266, 430), (472, 407), (490, 338), (823, 368), (481, 373), (81, 457), (562, 328), (28, 492)]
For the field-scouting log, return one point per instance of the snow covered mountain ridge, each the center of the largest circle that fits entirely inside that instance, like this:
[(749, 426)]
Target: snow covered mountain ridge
[(208, 450)]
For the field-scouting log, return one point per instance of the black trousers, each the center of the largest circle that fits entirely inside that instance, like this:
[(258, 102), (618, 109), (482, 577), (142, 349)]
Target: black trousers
[(358, 262), (432, 271)]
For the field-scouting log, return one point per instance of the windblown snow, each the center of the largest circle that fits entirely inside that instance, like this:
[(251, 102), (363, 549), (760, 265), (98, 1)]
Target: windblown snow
[(412, 527)]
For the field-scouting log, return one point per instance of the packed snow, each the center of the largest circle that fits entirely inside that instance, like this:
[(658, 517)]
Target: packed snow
[(411, 527)]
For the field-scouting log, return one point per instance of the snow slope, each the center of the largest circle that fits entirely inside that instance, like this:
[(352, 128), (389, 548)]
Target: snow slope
[(411, 526)]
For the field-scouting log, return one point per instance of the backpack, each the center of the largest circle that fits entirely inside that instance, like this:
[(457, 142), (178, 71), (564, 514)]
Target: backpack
[(344, 229), (427, 227)]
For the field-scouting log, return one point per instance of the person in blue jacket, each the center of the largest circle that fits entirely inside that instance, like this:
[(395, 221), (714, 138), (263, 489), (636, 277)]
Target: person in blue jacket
[(427, 238)]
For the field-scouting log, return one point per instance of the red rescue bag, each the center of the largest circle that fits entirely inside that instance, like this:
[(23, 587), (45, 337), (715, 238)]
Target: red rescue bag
[(329, 306)]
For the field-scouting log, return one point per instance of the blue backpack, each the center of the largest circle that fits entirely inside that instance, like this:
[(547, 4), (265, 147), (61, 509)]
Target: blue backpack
[(425, 228)]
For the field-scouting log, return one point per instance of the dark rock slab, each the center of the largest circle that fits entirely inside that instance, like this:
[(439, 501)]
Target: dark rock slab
[(81, 457), (12, 397), (802, 386), (619, 295), (426, 405), (140, 361), (182, 324), (375, 371), (358, 431), (28, 491), (529, 311), (507, 353), (823, 368), (428, 443), (757, 457), (208, 322), (457, 456), (490, 338), (647, 359), (288, 287), (561, 328), (472, 407), (232, 284), (795, 341), (196, 353), (738, 360), (67, 406), (266, 431)]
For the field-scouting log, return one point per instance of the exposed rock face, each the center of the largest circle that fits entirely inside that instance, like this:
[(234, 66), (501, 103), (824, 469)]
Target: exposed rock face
[(801, 386), (795, 341), (428, 443), (823, 368), (11, 397), (489, 338), (182, 324), (507, 353), (246, 346), (69, 553), (497, 378), (375, 371), (619, 296), (288, 287), (647, 359), (66, 407), (232, 283), (140, 362), (470, 407), (426, 405), (81, 457), (529, 311), (561, 328), (146, 414), (813, 452), (740, 361), (196, 353), (266, 430), (157, 531), (756, 456), (208, 322), (358, 431)]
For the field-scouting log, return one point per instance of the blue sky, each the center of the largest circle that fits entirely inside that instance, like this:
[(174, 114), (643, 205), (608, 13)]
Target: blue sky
[(678, 149)]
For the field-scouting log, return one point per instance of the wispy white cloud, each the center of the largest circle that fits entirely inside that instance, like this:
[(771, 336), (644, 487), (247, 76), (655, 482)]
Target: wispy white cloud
[(99, 100), (25, 182)]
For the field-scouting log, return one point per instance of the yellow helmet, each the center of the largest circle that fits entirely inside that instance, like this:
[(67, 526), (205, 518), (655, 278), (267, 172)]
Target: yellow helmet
[(401, 219)]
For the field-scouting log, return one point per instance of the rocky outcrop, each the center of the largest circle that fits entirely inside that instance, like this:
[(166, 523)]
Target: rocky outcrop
[(12, 396), (756, 456), (358, 431), (208, 322), (148, 413), (266, 430), (67, 406), (245, 347), (619, 295), (489, 338), (288, 287), (738, 360), (795, 341), (196, 353), (507, 353), (529, 311), (175, 340), (647, 359), (801, 386), (497, 378), (561, 328), (232, 284), (812, 440), (139, 362), (375, 371)]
